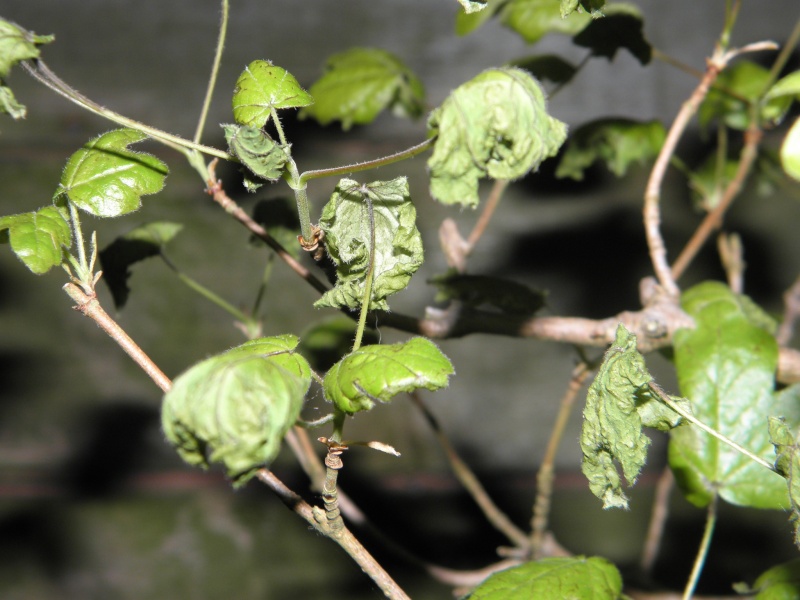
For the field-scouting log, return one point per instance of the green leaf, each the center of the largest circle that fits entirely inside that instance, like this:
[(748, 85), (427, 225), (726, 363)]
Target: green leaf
[(620, 28), (532, 19), (349, 226), (726, 367), (265, 157), (781, 582), (17, 44), (236, 407), (504, 295), (547, 66), (378, 373), (9, 104), (495, 125), (790, 151), (469, 22), (787, 462), (592, 7), (135, 246), (106, 179), (575, 577), (37, 238), (263, 87), (612, 420), (360, 83), (785, 86), (617, 142), (473, 6)]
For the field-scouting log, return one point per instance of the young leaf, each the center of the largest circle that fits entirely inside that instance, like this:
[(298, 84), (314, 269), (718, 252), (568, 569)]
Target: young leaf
[(726, 367), (265, 157), (236, 407), (790, 151), (618, 142), (37, 238), (781, 582), (504, 295), (592, 7), (547, 66), (106, 179), (349, 225), (612, 420), (621, 27), (495, 125), (136, 245), (262, 87), (469, 22), (360, 83), (472, 6), (9, 104), (532, 19), (17, 44), (555, 578), (378, 373)]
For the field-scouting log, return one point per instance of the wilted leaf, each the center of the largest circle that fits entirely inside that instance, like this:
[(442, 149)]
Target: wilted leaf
[(37, 238), (236, 407), (726, 367), (262, 87), (621, 27), (106, 179), (790, 151), (507, 296), (348, 228), (17, 44), (360, 83), (575, 578), (617, 142), (378, 373), (136, 245), (532, 19), (547, 66), (9, 104), (258, 152), (495, 125)]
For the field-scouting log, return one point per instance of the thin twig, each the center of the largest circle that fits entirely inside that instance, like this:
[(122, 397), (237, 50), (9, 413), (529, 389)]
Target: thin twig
[(491, 204), (212, 79), (731, 254), (658, 519), (545, 476)]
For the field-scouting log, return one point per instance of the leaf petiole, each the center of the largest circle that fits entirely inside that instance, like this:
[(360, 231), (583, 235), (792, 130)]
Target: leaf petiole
[(367, 298)]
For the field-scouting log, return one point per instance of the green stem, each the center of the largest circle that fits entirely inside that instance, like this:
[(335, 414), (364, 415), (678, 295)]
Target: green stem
[(370, 164), (702, 551), (212, 80), (79, 243), (366, 300), (278, 127), (785, 54)]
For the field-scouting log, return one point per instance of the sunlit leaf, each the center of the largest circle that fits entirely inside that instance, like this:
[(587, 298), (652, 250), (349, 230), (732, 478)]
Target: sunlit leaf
[(532, 19), (378, 373), (349, 226), (495, 125), (617, 142), (503, 295), (360, 83), (17, 44), (726, 368), (790, 151), (262, 87), (236, 407), (106, 179), (37, 238), (620, 28), (592, 7), (135, 246), (547, 66), (469, 22), (555, 578), (472, 6), (262, 155)]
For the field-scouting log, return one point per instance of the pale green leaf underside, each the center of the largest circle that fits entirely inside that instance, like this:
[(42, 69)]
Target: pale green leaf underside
[(9, 104), (37, 238), (495, 125), (348, 233), (263, 87), (106, 179), (726, 367), (17, 44), (576, 578), (378, 373), (236, 407), (262, 155), (360, 83)]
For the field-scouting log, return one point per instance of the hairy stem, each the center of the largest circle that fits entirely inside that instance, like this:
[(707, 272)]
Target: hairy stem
[(212, 80)]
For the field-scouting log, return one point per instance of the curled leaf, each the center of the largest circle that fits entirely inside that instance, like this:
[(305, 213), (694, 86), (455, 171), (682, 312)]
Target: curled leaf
[(495, 125), (37, 238), (263, 87), (262, 155)]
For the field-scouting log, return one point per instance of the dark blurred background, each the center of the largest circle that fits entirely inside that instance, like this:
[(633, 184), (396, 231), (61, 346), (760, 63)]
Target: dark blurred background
[(94, 504)]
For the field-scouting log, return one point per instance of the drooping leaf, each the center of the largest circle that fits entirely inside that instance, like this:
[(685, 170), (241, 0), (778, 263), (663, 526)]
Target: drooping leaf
[(787, 463), (726, 367), (360, 83), (106, 179), (617, 142), (9, 104), (547, 66), (265, 157), (17, 44), (349, 226), (37, 238), (495, 125), (473, 6), (236, 407), (620, 28), (532, 19), (612, 420), (781, 582), (554, 578), (137, 245), (592, 7), (378, 373), (790, 151), (261, 87), (506, 296), (469, 22), (326, 342)]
